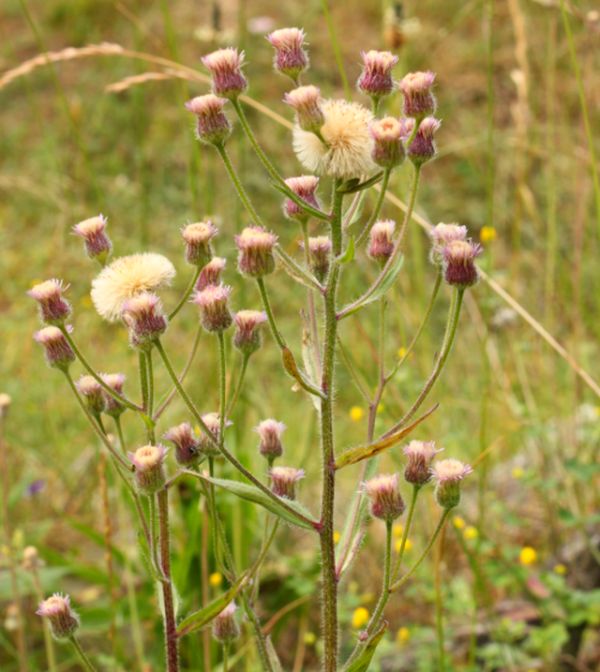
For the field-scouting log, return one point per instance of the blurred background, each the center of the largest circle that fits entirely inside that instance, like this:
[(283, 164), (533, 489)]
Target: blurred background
[(518, 92)]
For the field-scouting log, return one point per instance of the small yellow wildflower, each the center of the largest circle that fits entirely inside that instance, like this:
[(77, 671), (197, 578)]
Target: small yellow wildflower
[(407, 546), (401, 355), (360, 617), (560, 569), (215, 579), (397, 530), (527, 555), (402, 636), (488, 234), (357, 413), (336, 536), (470, 532), (310, 638), (518, 472), (458, 522)]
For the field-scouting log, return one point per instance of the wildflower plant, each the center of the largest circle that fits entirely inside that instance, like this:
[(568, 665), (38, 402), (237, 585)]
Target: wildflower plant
[(349, 148)]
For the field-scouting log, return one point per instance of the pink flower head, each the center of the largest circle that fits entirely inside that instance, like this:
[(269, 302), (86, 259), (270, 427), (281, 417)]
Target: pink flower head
[(144, 316), (197, 239), (290, 57), (212, 125), (306, 103), (56, 347), (385, 498), (54, 309), (388, 150), (441, 235), (459, 262), (319, 249), (376, 77), (213, 424), (304, 187), (255, 246), (225, 628), (91, 390), (270, 432), (149, 468), (186, 443), (247, 334), (381, 242), (211, 273), (63, 620), (115, 381), (419, 101), (448, 475), (284, 479), (214, 310), (225, 66), (419, 456), (93, 231), (422, 148)]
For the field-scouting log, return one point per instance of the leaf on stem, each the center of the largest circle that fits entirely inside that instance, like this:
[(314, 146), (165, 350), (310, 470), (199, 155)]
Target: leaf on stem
[(286, 191), (348, 255), (289, 364), (296, 272), (362, 662), (352, 186)]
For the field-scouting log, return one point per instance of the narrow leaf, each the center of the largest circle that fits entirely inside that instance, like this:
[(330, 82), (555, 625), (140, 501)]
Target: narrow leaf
[(349, 252), (351, 187), (296, 271), (272, 655), (373, 295), (300, 201), (361, 664)]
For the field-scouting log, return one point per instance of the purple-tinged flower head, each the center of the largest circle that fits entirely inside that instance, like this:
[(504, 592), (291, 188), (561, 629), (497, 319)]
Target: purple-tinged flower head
[(187, 445), (306, 103), (388, 150), (448, 475), (419, 456), (319, 254), (284, 479), (376, 77), (31, 559), (304, 187), (197, 239), (255, 251), (381, 240), (56, 347), (419, 101), (422, 148), (54, 309), (5, 402), (407, 126), (247, 338), (213, 424), (144, 316), (441, 236), (35, 487), (63, 620), (91, 390), (270, 432), (225, 66), (291, 58), (214, 309), (212, 124), (460, 269), (211, 273), (148, 462), (93, 231), (384, 496), (115, 381), (225, 628)]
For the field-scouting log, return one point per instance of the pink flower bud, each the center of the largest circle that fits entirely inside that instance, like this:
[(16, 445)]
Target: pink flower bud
[(213, 423), (388, 150), (306, 102), (187, 446), (247, 334), (284, 479), (149, 468), (211, 273), (144, 316), (255, 246), (319, 250), (459, 262), (115, 381), (270, 432), (212, 126), (422, 148), (385, 498), (63, 620), (56, 347), (290, 58), (419, 456), (91, 390), (97, 243), (225, 628), (448, 474), (304, 187), (441, 235), (381, 243), (197, 239), (225, 66), (214, 310), (54, 309), (376, 77), (419, 101)]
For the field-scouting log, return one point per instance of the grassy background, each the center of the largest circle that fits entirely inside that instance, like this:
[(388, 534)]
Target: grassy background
[(514, 156)]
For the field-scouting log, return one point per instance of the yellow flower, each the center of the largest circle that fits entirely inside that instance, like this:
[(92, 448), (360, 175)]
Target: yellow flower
[(401, 355), (215, 579), (407, 546), (488, 234), (397, 530), (470, 532), (560, 569), (458, 522), (402, 636), (518, 472), (336, 537), (527, 555), (310, 638), (360, 617), (356, 413)]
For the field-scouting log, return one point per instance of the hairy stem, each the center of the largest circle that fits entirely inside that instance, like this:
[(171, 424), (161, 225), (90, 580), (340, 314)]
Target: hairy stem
[(186, 294), (170, 626), (238, 186), (85, 661)]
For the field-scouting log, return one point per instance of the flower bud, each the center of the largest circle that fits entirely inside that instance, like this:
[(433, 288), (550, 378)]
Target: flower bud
[(386, 501), (197, 239), (441, 235), (247, 337), (304, 187), (284, 479), (187, 446), (93, 231), (459, 263), (419, 101), (448, 474), (419, 456), (54, 309), (56, 347), (149, 468), (212, 125), (91, 390), (255, 246), (213, 423), (211, 273), (388, 150), (115, 381), (381, 244), (306, 102), (31, 559), (5, 402), (225, 628), (225, 66), (422, 148), (376, 77), (319, 250), (63, 620), (144, 316), (214, 311), (290, 58), (270, 432)]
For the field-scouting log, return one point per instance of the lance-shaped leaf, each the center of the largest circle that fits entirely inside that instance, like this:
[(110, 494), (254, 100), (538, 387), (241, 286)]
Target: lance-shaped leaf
[(359, 453), (362, 662), (352, 186), (201, 618), (348, 255), (289, 364), (272, 655), (296, 271), (287, 509)]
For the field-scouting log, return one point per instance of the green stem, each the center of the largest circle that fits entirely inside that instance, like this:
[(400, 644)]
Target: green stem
[(150, 368), (337, 52), (439, 608), (170, 625), (271, 318), (222, 386), (85, 661), (238, 186), (378, 206), (406, 531), (186, 295), (239, 385), (225, 664)]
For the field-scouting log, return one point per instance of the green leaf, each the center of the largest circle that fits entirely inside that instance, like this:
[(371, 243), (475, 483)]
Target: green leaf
[(272, 655), (351, 187), (296, 271), (349, 252), (301, 202), (361, 664)]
